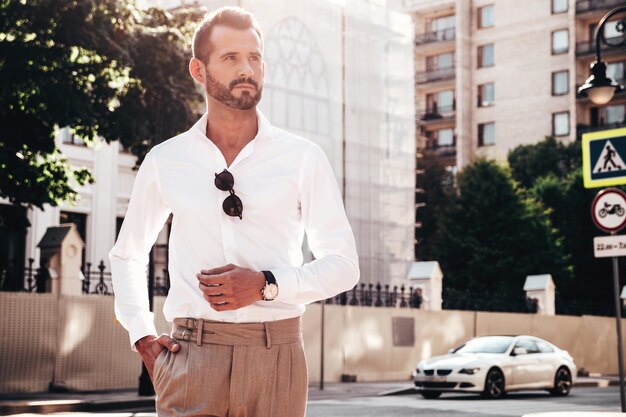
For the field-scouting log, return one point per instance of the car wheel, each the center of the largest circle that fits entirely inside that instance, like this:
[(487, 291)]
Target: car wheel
[(562, 382), (494, 384), (431, 395)]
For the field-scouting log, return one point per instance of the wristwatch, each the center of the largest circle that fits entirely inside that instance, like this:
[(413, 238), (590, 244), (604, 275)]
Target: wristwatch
[(270, 291)]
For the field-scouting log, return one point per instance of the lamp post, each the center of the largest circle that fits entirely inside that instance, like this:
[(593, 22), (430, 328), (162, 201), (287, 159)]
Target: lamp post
[(600, 90), (598, 87)]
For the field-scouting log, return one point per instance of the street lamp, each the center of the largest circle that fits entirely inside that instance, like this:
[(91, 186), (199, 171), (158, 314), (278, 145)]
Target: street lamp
[(598, 87)]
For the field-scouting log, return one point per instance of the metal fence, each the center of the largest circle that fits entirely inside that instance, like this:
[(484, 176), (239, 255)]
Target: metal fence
[(95, 280), (377, 295), (583, 6)]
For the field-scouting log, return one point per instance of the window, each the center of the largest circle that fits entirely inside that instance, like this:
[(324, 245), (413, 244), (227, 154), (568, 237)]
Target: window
[(486, 56), (529, 345), (71, 139), (615, 71), (544, 347), (441, 61), (486, 134), (560, 123), (443, 101), (445, 137), (560, 41), (611, 31), (615, 114), (559, 6), (485, 16), (486, 95), (443, 27), (560, 83)]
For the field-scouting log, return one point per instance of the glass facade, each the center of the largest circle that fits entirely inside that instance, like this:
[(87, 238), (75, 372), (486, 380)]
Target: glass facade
[(339, 76)]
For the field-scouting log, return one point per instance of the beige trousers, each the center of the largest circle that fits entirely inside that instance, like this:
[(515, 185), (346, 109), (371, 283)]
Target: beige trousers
[(233, 370)]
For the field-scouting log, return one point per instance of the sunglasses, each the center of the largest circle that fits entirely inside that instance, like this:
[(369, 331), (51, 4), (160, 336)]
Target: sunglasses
[(232, 205)]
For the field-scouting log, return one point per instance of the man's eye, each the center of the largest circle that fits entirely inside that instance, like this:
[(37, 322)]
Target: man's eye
[(230, 57)]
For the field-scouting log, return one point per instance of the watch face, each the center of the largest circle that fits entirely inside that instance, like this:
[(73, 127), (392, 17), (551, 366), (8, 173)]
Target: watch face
[(270, 292)]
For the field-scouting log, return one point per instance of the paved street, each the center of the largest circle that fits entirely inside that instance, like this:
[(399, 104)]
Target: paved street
[(581, 399)]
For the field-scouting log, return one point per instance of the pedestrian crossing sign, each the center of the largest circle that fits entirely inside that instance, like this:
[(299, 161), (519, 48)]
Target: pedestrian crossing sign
[(604, 154)]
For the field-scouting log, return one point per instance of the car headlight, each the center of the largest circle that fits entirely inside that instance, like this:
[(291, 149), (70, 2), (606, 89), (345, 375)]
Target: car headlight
[(418, 371), (469, 371)]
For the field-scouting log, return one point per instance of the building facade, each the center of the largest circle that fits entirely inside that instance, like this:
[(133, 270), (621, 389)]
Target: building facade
[(337, 72), (495, 74)]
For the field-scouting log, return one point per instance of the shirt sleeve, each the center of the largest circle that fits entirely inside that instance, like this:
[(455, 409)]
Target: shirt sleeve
[(330, 237), (145, 217)]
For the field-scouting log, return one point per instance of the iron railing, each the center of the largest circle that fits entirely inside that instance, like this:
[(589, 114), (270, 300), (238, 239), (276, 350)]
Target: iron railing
[(422, 77), (584, 6), (589, 48), (377, 295), (436, 36)]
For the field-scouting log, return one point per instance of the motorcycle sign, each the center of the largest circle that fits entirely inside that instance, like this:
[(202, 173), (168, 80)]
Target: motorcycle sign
[(608, 209)]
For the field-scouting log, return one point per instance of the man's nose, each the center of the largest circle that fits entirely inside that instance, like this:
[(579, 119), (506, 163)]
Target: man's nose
[(246, 70)]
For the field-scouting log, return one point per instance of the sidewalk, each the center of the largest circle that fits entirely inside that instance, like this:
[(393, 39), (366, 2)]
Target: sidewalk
[(128, 399)]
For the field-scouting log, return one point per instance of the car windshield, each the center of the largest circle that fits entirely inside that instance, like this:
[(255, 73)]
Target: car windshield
[(493, 344)]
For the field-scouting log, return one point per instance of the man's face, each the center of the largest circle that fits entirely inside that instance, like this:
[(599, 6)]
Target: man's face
[(235, 69)]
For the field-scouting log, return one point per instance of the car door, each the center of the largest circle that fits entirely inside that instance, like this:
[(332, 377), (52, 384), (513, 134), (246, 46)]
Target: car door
[(524, 365), (548, 364)]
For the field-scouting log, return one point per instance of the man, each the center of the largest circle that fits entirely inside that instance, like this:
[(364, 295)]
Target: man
[(242, 194)]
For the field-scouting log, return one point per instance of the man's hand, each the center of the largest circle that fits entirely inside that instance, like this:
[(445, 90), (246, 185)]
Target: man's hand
[(231, 287), (149, 347)]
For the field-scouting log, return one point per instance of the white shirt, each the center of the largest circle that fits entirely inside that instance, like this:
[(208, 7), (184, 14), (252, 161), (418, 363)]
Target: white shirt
[(287, 187)]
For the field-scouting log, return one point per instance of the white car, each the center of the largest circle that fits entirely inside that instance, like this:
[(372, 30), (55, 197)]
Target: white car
[(493, 365)]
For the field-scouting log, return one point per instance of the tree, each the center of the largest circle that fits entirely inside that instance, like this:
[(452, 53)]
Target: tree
[(529, 162), (553, 172), (435, 187), (491, 238), (90, 65), (589, 288)]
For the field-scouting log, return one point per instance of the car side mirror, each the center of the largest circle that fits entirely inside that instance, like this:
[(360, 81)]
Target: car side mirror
[(519, 351)]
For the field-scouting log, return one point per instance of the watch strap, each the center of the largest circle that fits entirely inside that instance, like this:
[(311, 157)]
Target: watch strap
[(269, 277)]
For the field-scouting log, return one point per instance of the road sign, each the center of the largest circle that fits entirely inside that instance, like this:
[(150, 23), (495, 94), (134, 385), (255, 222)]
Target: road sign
[(608, 246), (604, 156), (608, 209)]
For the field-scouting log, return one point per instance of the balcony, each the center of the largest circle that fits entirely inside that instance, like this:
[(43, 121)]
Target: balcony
[(584, 49), (442, 74), (430, 144), (432, 37), (585, 6), (434, 115), (581, 128)]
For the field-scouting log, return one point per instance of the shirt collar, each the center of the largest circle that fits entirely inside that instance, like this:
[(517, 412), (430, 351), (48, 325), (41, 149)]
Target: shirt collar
[(264, 133), (265, 127)]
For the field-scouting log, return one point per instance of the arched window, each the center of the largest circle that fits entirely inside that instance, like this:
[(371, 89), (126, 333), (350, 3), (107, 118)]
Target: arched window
[(296, 85)]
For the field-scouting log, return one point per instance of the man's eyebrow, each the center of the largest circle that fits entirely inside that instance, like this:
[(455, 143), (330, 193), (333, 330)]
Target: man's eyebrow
[(228, 53)]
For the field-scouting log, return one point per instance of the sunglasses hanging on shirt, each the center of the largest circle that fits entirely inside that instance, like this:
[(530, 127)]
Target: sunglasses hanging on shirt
[(232, 205)]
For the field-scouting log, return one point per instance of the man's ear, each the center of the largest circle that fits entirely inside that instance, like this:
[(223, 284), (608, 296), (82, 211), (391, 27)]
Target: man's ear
[(196, 69)]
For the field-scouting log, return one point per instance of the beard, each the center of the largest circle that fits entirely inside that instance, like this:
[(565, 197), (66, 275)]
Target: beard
[(224, 95)]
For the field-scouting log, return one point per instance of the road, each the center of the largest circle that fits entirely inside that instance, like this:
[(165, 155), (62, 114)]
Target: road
[(514, 405), (449, 405)]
